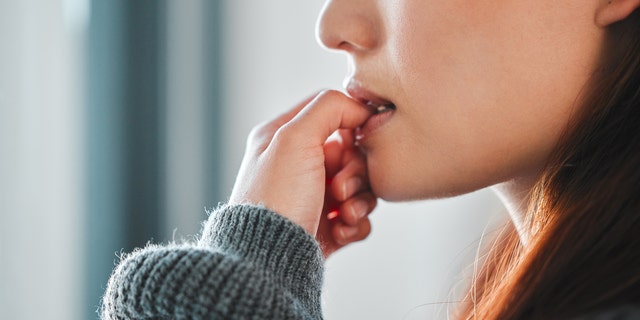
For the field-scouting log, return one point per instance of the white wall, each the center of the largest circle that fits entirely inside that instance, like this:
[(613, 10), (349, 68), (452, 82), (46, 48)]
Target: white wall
[(185, 145), (416, 250), (40, 160), (272, 60)]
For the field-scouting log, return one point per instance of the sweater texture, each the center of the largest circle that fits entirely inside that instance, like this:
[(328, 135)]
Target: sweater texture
[(250, 263)]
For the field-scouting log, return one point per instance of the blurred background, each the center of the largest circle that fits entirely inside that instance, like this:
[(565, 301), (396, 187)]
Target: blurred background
[(121, 121)]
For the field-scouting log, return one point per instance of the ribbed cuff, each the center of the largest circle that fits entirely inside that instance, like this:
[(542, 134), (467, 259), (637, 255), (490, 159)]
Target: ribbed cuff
[(270, 242)]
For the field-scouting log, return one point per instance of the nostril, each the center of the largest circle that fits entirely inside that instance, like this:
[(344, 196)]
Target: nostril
[(328, 39)]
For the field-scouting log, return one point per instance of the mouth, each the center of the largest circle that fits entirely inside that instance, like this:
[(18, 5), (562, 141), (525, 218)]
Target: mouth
[(381, 108), (373, 101)]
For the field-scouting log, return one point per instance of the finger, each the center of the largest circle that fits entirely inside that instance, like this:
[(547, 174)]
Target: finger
[(328, 112), (333, 157), (353, 154), (261, 135), (344, 234), (357, 208), (347, 136), (291, 113), (350, 180)]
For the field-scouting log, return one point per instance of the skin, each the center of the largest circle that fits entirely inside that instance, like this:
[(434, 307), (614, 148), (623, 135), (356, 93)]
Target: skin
[(483, 91), (484, 88), (292, 167)]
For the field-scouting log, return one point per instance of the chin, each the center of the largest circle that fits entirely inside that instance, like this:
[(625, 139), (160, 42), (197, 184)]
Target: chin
[(384, 189), (395, 190), (390, 187)]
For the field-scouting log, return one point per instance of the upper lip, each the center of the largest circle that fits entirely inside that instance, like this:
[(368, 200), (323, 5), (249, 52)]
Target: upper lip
[(360, 93)]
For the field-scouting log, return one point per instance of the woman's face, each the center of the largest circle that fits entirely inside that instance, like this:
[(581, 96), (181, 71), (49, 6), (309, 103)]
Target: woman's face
[(482, 88)]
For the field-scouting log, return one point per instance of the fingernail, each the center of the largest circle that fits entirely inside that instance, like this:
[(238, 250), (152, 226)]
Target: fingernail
[(350, 187), (359, 209), (348, 232)]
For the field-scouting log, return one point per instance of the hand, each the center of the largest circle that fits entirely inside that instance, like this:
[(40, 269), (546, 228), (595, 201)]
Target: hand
[(348, 200), (291, 168)]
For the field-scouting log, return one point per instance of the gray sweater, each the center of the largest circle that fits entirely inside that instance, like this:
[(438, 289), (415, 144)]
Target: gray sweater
[(250, 263)]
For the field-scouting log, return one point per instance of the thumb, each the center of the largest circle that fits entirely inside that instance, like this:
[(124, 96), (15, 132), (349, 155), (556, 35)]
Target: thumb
[(329, 111)]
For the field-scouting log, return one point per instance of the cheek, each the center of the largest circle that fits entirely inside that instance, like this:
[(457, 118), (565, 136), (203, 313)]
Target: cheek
[(482, 95)]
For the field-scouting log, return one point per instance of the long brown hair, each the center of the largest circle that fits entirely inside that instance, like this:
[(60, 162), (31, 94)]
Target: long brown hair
[(584, 251)]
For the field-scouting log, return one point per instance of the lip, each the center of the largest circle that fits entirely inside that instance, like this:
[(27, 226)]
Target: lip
[(359, 92), (370, 99), (373, 124)]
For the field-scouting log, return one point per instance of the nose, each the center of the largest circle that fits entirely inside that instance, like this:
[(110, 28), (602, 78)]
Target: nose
[(349, 25)]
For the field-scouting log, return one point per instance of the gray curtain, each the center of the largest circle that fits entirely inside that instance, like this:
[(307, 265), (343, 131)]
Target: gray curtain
[(125, 104)]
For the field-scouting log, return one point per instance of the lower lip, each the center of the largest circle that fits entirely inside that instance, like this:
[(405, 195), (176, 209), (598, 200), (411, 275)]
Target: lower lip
[(373, 124)]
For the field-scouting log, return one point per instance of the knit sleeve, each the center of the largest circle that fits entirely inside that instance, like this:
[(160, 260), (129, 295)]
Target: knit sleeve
[(250, 263)]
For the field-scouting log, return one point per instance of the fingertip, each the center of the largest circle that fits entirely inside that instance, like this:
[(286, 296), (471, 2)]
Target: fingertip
[(344, 234), (360, 209), (350, 180), (364, 229), (329, 111), (354, 210)]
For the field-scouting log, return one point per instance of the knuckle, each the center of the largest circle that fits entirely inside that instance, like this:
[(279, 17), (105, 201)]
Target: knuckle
[(329, 98), (330, 94), (286, 133), (281, 134), (259, 136), (258, 131)]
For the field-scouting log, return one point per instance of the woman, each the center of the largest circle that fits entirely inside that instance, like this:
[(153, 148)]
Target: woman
[(539, 99)]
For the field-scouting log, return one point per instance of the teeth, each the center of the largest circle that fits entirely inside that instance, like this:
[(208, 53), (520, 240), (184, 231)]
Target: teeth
[(384, 108), (381, 108)]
